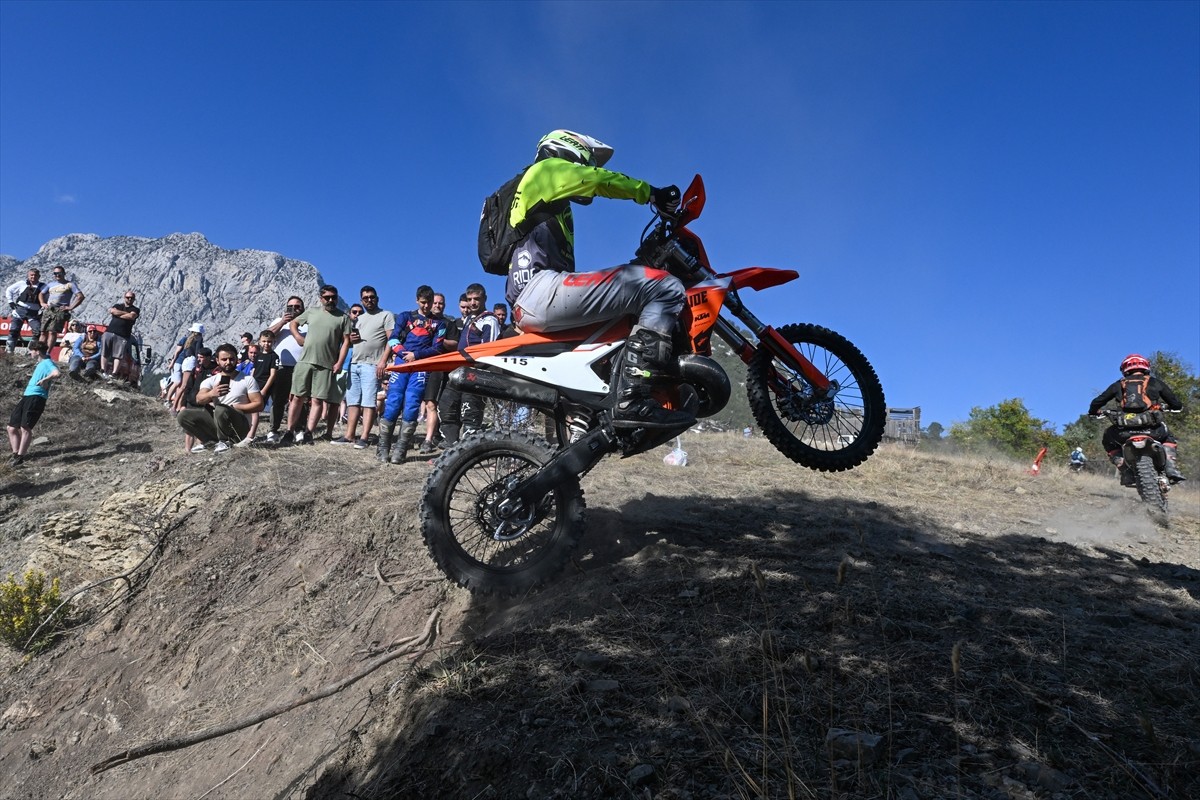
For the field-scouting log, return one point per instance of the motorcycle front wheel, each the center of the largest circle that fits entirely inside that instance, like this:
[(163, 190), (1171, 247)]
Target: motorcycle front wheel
[(472, 541), (829, 435)]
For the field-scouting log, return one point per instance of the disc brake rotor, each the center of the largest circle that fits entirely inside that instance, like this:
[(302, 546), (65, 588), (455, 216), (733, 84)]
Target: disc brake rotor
[(799, 404), (509, 520)]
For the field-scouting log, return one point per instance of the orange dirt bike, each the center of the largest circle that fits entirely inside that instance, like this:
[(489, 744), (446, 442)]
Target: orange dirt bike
[(502, 510)]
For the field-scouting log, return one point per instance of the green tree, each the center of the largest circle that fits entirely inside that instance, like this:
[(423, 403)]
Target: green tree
[(1185, 426), (1009, 428), (931, 436)]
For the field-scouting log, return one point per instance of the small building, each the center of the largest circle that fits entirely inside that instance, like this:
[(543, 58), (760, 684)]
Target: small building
[(903, 425)]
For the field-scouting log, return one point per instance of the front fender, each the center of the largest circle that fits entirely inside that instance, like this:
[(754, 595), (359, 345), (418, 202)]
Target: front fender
[(758, 278)]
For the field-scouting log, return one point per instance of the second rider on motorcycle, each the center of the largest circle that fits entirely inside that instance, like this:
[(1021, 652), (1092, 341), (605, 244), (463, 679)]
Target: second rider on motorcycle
[(547, 296), (1138, 392)]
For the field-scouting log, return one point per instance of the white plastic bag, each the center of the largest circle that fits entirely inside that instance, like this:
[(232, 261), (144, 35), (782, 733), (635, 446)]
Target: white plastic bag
[(677, 457)]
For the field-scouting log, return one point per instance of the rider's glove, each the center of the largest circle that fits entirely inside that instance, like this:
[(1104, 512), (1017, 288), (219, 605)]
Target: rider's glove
[(665, 199), (13, 306)]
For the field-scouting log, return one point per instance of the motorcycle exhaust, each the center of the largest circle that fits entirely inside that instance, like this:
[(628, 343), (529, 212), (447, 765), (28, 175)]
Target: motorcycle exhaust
[(503, 387), (710, 381)]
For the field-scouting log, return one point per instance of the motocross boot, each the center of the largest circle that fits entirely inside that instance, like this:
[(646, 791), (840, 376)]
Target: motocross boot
[(385, 439), (1126, 474), (1171, 470), (647, 356), (400, 446)]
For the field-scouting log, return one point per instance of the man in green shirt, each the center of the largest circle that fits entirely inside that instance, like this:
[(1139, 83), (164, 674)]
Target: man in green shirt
[(315, 377)]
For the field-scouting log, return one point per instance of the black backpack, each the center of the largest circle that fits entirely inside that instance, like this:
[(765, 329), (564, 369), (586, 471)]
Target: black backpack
[(498, 239), (1134, 396)]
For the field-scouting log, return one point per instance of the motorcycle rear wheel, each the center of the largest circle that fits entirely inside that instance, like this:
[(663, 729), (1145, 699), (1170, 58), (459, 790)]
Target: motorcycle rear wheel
[(829, 436), (1149, 487), (471, 542)]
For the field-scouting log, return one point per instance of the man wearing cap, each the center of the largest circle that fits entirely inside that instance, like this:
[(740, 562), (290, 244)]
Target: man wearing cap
[(117, 339), (59, 299), (24, 301)]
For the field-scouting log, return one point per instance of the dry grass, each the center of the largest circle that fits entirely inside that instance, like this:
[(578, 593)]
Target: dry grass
[(1000, 635)]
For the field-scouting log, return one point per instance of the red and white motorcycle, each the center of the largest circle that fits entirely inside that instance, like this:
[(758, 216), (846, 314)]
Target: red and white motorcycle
[(502, 510)]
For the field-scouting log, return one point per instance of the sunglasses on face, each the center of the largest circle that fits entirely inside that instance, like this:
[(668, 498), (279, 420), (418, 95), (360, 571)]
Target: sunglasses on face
[(327, 297), (367, 298), (295, 308)]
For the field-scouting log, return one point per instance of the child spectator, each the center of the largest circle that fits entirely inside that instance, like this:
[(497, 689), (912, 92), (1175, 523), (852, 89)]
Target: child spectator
[(33, 403), (266, 369)]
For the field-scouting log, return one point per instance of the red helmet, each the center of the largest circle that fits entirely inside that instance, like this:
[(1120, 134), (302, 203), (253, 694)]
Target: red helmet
[(1134, 362)]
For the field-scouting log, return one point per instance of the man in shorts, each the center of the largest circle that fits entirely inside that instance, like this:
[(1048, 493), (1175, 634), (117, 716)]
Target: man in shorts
[(59, 299), (369, 337), (314, 378), (33, 403), (115, 345)]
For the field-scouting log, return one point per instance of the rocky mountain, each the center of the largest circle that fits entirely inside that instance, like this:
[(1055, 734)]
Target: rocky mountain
[(179, 279)]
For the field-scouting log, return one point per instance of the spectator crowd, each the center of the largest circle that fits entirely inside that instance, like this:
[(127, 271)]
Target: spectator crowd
[(319, 375), (312, 375)]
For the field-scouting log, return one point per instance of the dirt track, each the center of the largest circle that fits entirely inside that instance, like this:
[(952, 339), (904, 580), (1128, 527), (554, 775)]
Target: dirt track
[(920, 627)]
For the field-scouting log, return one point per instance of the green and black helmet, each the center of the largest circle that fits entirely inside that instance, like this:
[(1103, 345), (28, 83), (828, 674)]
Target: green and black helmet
[(575, 147)]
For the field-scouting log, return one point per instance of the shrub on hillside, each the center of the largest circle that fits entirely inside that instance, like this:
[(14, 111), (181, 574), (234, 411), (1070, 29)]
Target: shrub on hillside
[(24, 607)]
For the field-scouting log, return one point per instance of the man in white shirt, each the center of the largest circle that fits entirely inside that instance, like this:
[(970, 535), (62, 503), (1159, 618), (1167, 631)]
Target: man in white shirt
[(228, 397), (24, 301), (289, 351)]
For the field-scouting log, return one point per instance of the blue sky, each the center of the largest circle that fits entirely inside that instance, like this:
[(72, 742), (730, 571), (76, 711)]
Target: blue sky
[(992, 200)]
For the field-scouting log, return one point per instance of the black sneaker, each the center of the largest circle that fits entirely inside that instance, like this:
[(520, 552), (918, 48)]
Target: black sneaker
[(287, 439)]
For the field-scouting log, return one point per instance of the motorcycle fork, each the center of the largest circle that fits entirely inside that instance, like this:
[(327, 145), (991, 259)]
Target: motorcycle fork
[(774, 343)]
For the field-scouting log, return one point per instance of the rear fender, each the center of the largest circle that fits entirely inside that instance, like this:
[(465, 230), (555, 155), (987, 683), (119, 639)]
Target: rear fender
[(1142, 446)]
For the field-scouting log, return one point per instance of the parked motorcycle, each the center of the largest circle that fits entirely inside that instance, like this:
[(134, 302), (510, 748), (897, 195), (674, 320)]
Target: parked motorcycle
[(502, 510), (1145, 457)]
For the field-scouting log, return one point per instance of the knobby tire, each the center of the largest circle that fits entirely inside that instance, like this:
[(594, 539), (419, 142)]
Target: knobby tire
[(1148, 485), (456, 522), (858, 412)]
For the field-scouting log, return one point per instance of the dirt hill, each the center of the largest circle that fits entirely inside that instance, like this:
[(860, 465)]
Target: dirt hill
[(921, 627)]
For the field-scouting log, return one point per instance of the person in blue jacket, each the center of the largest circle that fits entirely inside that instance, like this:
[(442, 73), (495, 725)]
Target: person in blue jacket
[(417, 335)]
